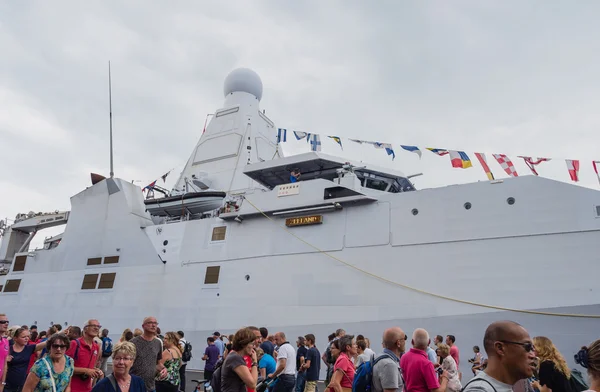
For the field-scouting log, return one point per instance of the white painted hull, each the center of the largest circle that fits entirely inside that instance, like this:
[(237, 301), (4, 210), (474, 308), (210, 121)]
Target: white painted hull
[(494, 257)]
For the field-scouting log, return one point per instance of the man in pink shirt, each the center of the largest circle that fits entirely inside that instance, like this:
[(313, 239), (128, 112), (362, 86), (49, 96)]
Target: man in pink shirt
[(4, 349), (450, 339), (419, 373)]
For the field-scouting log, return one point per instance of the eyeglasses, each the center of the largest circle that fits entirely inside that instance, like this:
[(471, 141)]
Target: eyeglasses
[(93, 326), (122, 359), (4, 321), (151, 323), (528, 346), (59, 346)]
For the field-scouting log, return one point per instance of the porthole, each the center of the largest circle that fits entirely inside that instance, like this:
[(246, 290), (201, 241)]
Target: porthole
[(247, 277), (165, 242), (510, 201), (468, 206), (415, 211)]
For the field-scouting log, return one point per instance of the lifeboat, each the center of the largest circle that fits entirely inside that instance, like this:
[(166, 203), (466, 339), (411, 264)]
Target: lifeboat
[(188, 203)]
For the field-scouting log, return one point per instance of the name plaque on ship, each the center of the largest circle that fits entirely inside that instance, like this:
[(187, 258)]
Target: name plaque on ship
[(304, 220)]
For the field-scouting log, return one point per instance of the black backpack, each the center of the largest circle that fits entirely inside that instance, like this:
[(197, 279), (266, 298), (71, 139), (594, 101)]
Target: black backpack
[(186, 356), (215, 381)]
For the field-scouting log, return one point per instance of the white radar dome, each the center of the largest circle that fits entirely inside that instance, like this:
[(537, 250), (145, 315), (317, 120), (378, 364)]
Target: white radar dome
[(244, 80)]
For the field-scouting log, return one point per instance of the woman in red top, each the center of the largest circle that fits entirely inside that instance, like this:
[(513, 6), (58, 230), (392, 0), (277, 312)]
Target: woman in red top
[(343, 370)]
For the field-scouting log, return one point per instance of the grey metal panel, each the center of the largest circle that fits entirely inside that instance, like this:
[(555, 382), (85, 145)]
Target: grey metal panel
[(112, 186), (368, 225)]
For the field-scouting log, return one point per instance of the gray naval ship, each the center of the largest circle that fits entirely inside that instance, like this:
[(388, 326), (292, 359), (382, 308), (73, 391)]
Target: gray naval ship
[(350, 245)]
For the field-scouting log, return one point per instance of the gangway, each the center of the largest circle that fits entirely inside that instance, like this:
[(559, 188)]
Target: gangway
[(17, 237)]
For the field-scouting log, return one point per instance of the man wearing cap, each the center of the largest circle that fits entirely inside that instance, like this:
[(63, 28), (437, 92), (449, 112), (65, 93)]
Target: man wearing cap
[(219, 343)]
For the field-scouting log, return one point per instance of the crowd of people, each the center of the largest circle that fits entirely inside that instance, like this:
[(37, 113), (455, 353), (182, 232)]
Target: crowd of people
[(76, 360)]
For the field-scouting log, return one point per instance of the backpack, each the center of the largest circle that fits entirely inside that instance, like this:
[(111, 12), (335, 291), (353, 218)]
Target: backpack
[(577, 381), (215, 381), (363, 378), (106, 347), (186, 356)]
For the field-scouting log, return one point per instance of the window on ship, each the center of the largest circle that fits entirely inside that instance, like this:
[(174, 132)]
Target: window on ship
[(12, 286), (212, 275)]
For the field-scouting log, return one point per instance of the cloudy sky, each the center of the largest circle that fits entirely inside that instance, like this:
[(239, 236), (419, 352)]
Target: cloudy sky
[(519, 78)]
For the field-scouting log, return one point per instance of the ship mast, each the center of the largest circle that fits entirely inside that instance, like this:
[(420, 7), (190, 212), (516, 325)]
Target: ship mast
[(112, 173)]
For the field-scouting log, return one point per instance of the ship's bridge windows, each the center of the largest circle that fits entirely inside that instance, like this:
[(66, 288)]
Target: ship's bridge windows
[(212, 275), (377, 184), (218, 233), (19, 264), (12, 286)]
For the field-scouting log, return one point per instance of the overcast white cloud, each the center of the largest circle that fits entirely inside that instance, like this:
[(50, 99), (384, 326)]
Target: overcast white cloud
[(498, 76)]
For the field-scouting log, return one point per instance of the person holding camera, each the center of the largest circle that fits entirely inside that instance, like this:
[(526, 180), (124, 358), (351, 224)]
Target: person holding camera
[(85, 353)]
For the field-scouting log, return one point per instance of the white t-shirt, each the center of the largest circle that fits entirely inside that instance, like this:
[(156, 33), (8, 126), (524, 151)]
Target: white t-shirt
[(289, 353), (477, 385), (369, 352)]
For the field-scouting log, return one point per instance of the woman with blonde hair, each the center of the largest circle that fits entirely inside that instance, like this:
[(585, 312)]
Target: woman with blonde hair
[(171, 360), (123, 355), (553, 372), (449, 365), (589, 358), (124, 335)]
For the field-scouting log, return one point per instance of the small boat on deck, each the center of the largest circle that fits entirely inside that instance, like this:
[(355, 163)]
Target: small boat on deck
[(188, 203)]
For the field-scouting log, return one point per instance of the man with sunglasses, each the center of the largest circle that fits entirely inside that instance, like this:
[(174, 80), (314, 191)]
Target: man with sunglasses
[(4, 349), (511, 357), (85, 352)]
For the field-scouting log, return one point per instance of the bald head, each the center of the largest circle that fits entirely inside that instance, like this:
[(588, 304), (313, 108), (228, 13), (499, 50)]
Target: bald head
[(391, 337), (420, 339), (501, 330), (280, 338)]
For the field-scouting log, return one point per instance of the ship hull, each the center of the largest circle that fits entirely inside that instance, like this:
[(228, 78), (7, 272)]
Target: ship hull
[(363, 268)]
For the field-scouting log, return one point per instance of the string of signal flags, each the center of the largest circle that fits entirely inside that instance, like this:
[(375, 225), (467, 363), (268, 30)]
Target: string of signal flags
[(458, 159)]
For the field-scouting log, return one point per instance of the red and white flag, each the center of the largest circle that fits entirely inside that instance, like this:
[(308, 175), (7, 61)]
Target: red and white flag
[(596, 164), (531, 163), (506, 164), (573, 166)]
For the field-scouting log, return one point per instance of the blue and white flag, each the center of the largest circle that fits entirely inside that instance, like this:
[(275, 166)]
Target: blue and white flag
[(388, 148), (315, 142), (281, 135), (300, 135), (412, 149)]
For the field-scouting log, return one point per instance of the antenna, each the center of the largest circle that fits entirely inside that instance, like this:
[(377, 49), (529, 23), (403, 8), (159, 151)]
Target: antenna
[(112, 173)]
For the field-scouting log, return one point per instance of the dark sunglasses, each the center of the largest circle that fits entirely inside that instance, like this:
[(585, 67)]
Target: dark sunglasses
[(529, 347), (59, 346), (4, 321)]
